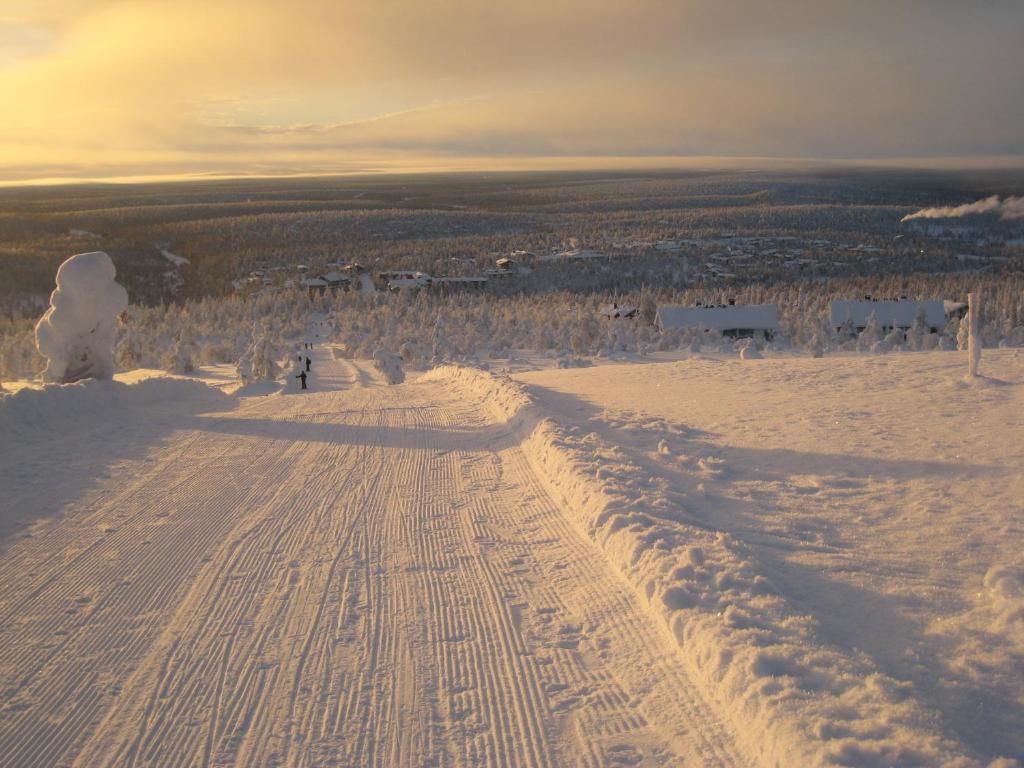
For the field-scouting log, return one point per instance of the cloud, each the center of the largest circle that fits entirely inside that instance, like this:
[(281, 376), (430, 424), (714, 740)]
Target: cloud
[(1008, 208), (208, 83)]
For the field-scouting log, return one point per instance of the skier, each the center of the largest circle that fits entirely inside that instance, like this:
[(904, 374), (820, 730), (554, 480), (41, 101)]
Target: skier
[(302, 375), (307, 362)]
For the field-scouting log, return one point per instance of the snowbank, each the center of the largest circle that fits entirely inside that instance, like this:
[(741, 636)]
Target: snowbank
[(55, 407), (77, 333), (1004, 586), (794, 698)]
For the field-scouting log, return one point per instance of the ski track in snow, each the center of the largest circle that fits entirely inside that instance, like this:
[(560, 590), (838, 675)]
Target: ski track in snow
[(358, 575)]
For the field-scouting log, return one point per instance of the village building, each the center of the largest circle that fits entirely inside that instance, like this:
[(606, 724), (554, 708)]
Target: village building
[(315, 285), (335, 280), (400, 281), (450, 284), (889, 313), (735, 321)]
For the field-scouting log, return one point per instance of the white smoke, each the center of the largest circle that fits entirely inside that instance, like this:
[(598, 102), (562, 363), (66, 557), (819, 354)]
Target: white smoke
[(76, 335), (1010, 208)]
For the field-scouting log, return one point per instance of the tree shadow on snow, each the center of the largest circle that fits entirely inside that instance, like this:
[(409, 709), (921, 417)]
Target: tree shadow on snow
[(732, 489), (413, 437), (42, 472)]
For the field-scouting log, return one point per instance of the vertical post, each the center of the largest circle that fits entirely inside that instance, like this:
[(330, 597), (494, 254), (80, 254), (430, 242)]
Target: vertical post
[(973, 342)]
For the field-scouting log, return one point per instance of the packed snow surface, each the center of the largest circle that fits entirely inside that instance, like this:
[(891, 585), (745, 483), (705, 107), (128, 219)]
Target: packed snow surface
[(76, 335), (853, 580), (705, 562)]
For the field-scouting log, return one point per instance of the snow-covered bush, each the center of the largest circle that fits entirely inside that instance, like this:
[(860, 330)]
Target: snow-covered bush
[(390, 365), (180, 358), (77, 333), (748, 350)]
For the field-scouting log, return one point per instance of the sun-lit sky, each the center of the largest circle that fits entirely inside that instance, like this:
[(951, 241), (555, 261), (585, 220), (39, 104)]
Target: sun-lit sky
[(99, 88)]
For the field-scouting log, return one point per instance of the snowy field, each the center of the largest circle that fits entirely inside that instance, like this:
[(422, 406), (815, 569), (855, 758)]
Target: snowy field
[(788, 561)]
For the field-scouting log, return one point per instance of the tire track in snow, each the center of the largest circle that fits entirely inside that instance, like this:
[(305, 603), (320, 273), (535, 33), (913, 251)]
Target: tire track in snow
[(369, 576)]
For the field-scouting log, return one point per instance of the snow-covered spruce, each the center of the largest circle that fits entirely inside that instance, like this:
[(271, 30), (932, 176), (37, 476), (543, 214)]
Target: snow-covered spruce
[(760, 660), (260, 361), (77, 333)]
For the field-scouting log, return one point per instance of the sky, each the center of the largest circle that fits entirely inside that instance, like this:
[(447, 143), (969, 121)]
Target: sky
[(120, 88)]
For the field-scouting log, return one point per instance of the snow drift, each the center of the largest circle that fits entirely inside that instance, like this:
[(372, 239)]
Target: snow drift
[(77, 333), (54, 408), (761, 661)]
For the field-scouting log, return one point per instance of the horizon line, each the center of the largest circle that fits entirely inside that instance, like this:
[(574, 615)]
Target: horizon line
[(579, 163)]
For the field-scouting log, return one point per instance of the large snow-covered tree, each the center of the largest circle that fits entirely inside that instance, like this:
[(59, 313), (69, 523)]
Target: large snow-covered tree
[(77, 333)]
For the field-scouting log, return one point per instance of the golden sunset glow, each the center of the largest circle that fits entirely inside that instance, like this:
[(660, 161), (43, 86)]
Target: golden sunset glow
[(100, 88)]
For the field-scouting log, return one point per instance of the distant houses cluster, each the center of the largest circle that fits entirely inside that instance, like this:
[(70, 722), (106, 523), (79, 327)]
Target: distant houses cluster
[(730, 319), (347, 277)]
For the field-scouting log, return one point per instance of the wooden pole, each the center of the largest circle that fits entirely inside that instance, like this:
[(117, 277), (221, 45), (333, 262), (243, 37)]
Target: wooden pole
[(973, 342)]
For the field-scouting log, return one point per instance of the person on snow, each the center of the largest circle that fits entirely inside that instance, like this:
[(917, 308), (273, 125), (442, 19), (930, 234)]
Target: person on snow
[(307, 362), (302, 376)]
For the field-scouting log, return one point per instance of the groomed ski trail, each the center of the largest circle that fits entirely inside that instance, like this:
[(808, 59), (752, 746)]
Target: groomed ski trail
[(357, 575)]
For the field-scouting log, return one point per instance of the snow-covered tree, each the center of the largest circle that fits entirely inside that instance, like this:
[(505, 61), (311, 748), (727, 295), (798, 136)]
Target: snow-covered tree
[(126, 354), (260, 361), (973, 340), (390, 365), (871, 335), (817, 346), (962, 333), (180, 357), (919, 331), (77, 333)]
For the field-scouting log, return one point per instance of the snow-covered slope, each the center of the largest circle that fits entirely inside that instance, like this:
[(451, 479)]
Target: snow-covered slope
[(356, 575), (780, 562), (836, 543)]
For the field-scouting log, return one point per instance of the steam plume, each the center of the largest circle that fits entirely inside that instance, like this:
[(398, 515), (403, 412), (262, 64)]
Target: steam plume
[(1009, 208)]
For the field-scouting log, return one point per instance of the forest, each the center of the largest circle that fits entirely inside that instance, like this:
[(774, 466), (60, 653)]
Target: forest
[(186, 252)]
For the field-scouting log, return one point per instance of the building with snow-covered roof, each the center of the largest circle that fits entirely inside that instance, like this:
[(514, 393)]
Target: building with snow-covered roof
[(401, 281), (334, 278), (734, 321), (889, 313), (315, 285), (458, 283)]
